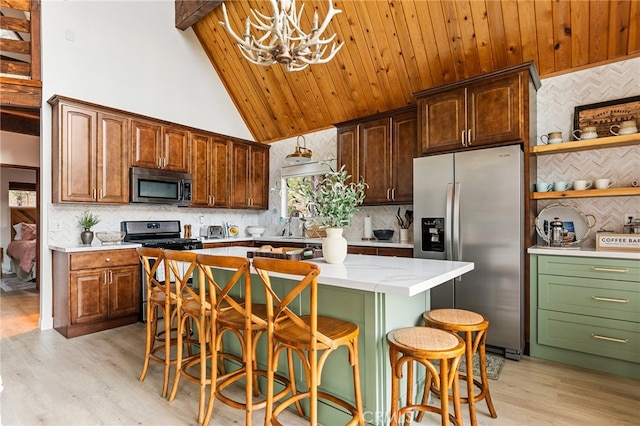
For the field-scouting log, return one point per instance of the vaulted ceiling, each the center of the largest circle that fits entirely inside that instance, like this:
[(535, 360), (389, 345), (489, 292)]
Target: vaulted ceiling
[(394, 48)]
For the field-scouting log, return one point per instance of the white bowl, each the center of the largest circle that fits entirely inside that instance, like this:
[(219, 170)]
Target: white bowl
[(256, 231), (110, 237)]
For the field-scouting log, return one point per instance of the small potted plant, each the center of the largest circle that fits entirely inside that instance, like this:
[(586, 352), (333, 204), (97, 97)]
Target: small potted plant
[(332, 201), (87, 221)]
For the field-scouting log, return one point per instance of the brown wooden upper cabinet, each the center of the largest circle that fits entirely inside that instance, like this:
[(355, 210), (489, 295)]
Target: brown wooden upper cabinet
[(156, 146), (90, 155), (492, 109), (249, 176), (381, 151), (210, 171)]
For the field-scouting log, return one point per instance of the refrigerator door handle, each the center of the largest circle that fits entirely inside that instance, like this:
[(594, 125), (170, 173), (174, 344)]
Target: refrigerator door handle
[(457, 244), (448, 249)]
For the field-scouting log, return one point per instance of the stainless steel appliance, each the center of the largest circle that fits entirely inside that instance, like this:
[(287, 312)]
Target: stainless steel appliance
[(469, 206), (160, 187), (163, 234)]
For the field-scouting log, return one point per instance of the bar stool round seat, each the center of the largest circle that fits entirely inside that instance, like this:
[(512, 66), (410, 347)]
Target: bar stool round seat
[(425, 345), (473, 327)]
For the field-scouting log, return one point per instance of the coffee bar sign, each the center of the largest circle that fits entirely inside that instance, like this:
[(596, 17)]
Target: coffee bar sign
[(617, 242), (603, 115)]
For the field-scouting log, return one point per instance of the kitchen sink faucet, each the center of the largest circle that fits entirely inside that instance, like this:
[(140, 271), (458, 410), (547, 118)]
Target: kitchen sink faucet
[(294, 213)]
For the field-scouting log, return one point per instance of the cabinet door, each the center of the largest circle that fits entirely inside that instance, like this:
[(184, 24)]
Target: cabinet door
[(76, 168), (174, 152), (348, 149), (113, 159), (374, 149), (240, 175), (259, 177), (495, 111), (442, 121), (200, 164), (124, 291), (145, 144), (88, 296), (219, 169), (403, 149)]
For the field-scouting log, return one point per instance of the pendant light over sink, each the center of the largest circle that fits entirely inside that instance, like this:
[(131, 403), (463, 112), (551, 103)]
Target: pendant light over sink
[(301, 155)]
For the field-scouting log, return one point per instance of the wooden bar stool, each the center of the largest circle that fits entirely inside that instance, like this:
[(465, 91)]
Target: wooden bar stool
[(311, 336), (161, 303), (425, 345), (235, 314), (193, 306), (473, 327)]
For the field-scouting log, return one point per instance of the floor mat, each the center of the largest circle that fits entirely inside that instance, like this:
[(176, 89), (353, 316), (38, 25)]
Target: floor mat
[(15, 283), (494, 366)]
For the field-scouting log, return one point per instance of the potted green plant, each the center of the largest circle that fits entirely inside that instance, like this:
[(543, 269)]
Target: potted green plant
[(87, 221), (332, 202)]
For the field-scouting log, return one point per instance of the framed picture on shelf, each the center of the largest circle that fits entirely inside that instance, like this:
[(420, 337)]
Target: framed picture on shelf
[(603, 115)]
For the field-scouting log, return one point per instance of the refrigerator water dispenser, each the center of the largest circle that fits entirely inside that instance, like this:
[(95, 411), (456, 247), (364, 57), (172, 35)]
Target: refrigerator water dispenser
[(433, 234)]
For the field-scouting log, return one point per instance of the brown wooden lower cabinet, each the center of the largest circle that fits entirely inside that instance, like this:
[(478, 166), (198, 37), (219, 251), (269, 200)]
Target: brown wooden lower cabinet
[(381, 251), (95, 290)]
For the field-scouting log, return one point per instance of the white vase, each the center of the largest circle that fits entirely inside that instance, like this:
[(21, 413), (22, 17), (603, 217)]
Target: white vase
[(334, 246)]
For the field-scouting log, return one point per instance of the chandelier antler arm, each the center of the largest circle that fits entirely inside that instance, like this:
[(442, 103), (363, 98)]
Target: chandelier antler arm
[(283, 40)]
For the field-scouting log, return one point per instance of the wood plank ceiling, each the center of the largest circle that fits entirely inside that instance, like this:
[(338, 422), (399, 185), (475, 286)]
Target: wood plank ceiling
[(394, 48)]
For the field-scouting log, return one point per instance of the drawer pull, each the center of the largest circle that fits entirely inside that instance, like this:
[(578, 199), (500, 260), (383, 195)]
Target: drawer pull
[(108, 259), (595, 268), (608, 299), (610, 339)]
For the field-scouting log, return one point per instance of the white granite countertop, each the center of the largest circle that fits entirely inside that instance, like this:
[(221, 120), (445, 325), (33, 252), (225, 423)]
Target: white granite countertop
[(389, 275), (583, 252), (95, 246)]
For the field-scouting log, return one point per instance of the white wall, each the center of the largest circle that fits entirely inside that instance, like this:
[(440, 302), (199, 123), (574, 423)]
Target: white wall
[(127, 55)]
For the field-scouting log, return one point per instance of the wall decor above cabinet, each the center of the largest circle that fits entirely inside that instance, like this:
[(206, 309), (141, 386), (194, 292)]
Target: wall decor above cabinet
[(492, 109), (381, 149)]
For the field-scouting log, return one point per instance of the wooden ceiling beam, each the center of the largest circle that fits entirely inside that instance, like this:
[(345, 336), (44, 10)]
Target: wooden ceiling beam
[(188, 12)]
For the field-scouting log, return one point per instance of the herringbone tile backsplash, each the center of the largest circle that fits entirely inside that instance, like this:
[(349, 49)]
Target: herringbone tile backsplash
[(557, 99)]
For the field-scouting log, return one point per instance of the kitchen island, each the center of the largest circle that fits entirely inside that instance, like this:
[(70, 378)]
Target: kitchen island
[(377, 293)]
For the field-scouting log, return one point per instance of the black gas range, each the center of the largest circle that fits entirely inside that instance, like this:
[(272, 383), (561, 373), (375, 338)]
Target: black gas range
[(158, 234), (164, 234)]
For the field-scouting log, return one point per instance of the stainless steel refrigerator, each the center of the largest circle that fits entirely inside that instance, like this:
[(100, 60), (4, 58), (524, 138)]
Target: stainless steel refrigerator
[(469, 206)]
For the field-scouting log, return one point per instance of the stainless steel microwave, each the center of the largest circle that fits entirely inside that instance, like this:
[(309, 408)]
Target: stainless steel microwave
[(160, 187)]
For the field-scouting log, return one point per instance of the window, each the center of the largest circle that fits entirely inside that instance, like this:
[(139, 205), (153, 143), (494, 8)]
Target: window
[(22, 194), (291, 178)]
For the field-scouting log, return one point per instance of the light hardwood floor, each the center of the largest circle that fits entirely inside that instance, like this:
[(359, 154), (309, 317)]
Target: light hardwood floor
[(93, 380)]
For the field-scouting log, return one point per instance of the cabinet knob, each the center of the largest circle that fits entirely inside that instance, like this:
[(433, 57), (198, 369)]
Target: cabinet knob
[(108, 259)]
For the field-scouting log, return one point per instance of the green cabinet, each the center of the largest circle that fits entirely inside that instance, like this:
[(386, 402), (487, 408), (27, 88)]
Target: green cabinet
[(585, 311)]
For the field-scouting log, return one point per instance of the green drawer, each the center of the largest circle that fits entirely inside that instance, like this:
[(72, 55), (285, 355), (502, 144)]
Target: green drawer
[(588, 296), (590, 267), (603, 337)]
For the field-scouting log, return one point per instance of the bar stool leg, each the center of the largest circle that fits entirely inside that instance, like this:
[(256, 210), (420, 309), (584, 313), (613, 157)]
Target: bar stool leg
[(483, 374), (469, 375)]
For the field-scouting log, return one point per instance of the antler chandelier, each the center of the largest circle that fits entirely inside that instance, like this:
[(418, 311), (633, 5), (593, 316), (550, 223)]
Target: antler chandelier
[(283, 40)]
